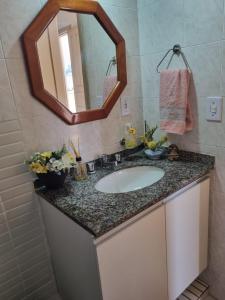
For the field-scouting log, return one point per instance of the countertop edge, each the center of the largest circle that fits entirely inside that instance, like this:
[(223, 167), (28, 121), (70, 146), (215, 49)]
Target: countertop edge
[(103, 235)]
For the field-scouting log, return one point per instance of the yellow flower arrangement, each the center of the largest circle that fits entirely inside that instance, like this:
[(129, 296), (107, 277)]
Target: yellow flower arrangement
[(149, 141), (47, 154), (152, 145), (46, 162), (36, 167), (132, 131)]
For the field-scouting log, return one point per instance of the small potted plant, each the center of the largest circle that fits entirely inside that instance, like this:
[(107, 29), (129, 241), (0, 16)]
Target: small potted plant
[(51, 167), (154, 149)]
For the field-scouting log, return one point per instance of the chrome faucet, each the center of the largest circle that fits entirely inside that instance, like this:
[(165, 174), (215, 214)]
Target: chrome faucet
[(106, 162)]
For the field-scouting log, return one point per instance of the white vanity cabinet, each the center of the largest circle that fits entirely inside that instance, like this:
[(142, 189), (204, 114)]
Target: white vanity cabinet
[(132, 263), (153, 256), (187, 237)]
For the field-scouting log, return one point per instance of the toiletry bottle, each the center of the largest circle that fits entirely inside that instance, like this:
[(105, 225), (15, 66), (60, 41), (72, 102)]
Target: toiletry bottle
[(130, 138), (80, 170)]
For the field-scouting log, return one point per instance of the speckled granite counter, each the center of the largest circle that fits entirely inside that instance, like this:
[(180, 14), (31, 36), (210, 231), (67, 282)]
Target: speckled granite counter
[(99, 212)]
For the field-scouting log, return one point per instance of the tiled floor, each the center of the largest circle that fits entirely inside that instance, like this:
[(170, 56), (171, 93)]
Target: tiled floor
[(58, 298)]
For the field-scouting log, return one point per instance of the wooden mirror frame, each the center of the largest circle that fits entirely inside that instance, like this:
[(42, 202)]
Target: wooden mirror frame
[(34, 32)]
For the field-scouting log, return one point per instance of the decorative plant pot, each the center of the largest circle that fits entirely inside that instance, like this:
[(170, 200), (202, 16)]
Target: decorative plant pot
[(52, 180), (159, 153)]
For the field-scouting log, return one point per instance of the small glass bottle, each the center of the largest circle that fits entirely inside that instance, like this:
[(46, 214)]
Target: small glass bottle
[(130, 138), (80, 170)]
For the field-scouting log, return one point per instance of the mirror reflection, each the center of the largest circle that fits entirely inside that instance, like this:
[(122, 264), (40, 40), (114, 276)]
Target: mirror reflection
[(78, 61)]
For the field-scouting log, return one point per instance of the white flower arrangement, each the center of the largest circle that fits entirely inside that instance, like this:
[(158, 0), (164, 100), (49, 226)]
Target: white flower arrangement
[(57, 161)]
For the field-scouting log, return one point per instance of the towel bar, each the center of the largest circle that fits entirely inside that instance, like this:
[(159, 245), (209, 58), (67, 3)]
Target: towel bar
[(176, 51)]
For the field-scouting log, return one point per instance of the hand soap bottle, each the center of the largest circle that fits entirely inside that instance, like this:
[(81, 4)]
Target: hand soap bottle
[(130, 137)]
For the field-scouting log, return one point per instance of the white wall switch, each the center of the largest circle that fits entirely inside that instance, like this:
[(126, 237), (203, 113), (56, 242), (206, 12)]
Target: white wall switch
[(124, 106), (214, 109), (99, 101)]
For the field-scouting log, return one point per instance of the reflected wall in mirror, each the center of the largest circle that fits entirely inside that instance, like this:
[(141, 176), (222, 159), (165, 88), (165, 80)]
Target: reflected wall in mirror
[(76, 60)]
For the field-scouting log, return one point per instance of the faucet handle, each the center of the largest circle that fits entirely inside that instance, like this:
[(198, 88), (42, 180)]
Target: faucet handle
[(91, 167), (118, 157), (106, 161), (104, 158)]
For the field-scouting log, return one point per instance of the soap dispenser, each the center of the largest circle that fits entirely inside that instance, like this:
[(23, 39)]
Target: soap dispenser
[(130, 137)]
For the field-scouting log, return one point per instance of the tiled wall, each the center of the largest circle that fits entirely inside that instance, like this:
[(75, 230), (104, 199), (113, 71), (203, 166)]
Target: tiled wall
[(27, 126), (198, 25)]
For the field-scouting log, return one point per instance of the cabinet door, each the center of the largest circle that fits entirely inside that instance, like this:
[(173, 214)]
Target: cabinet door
[(132, 263), (187, 237)]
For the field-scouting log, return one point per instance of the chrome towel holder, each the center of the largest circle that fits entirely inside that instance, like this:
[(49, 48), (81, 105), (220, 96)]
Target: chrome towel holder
[(112, 62), (176, 51)]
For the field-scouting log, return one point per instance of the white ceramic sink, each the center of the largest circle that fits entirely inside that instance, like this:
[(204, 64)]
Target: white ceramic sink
[(130, 179)]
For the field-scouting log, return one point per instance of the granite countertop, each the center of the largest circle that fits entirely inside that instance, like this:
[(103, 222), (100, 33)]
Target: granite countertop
[(99, 212)]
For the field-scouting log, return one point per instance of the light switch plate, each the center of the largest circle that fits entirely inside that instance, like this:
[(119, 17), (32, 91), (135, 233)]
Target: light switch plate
[(125, 110), (214, 109), (99, 101)]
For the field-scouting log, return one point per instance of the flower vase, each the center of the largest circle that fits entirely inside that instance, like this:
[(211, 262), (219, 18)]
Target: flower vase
[(53, 180)]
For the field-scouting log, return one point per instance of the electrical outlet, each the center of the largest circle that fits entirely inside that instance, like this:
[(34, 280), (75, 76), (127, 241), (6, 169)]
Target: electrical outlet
[(214, 109)]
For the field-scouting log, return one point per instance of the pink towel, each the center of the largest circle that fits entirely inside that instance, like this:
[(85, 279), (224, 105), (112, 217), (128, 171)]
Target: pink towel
[(109, 84), (175, 110)]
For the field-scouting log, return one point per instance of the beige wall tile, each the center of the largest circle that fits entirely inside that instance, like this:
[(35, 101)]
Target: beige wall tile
[(19, 211), (14, 181), (3, 228), (203, 21), (205, 63), (43, 2), (15, 16), (37, 268), (1, 50), (124, 19), (17, 191), (27, 258), (10, 138), (45, 292), (11, 149), (9, 126), (13, 171), (25, 219), (20, 249), (131, 4), (13, 291), (8, 109), (11, 265), (6, 248), (17, 201), (9, 161), (14, 273), (18, 78), (223, 67), (26, 238), (5, 238), (155, 34)]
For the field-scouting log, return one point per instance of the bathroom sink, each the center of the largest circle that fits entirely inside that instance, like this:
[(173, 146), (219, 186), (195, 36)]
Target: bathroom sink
[(131, 179)]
